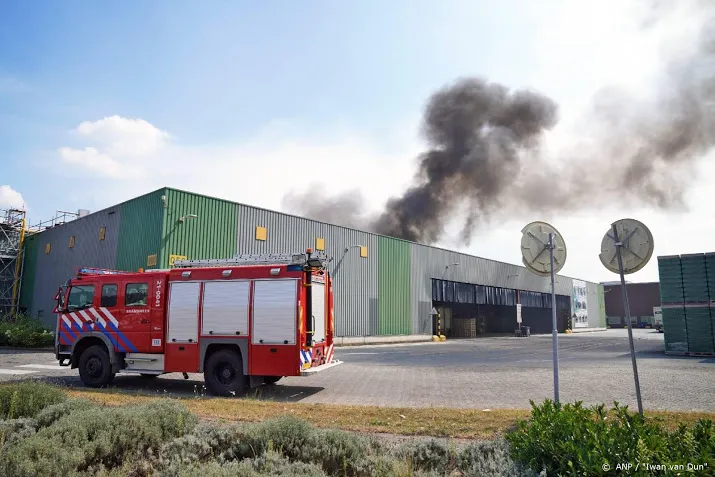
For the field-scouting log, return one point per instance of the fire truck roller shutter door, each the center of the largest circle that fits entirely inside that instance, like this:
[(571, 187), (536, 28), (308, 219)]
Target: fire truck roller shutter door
[(182, 351), (274, 350), (225, 308), (183, 312), (275, 304), (318, 290)]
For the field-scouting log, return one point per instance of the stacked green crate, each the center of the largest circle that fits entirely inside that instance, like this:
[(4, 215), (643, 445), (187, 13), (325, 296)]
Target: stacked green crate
[(710, 269), (695, 278), (671, 280), (675, 329), (699, 326)]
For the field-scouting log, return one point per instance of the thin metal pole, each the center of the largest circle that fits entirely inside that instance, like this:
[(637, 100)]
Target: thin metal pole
[(555, 332), (626, 306)]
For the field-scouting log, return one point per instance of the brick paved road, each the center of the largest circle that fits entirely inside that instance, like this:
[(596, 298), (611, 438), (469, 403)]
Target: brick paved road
[(481, 373)]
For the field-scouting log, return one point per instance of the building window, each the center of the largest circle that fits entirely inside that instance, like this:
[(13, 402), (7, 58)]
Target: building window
[(102, 233), (47, 248), (81, 296), (109, 296), (72, 241), (319, 243), (151, 261), (136, 294), (363, 251), (261, 233)]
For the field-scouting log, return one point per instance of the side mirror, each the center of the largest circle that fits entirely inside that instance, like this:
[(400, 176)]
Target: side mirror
[(60, 299)]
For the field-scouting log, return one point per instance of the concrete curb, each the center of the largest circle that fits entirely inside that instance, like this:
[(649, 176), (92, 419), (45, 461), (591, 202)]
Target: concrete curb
[(373, 340), (11, 348), (587, 330)]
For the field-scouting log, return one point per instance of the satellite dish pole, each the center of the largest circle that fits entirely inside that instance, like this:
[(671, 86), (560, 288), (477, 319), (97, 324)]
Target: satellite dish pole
[(630, 244), (537, 237)]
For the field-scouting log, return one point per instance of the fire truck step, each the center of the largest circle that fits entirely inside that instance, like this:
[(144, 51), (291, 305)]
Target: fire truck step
[(317, 369)]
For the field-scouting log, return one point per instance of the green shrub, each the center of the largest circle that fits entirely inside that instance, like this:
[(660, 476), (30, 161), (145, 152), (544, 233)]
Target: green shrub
[(485, 459), (269, 464), (490, 459), (337, 453), (25, 332), (54, 413), (571, 439), (87, 440), (14, 430), (27, 398)]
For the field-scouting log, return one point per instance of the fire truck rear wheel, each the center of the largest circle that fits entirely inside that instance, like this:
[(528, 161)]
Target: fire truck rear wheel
[(223, 373), (95, 370)]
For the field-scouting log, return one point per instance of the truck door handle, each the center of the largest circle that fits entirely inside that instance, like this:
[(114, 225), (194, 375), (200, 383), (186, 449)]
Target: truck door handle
[(273, 350), (146, 321)]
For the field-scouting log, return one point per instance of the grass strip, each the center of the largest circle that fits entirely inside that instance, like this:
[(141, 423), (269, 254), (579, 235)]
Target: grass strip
[(438, 422)]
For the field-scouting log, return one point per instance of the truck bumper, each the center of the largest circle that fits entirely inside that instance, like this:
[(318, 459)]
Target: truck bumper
[(318, 369)]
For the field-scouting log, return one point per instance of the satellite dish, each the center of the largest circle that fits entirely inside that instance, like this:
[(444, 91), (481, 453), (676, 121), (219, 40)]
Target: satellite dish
[(637, 248), (535, 248)]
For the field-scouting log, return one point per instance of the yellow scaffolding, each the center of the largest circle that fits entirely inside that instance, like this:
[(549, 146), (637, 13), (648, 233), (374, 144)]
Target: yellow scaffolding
[(13, 226)]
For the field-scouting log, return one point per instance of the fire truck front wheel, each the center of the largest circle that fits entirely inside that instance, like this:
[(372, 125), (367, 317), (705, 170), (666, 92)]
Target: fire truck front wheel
[(223, 373), (95, 369)]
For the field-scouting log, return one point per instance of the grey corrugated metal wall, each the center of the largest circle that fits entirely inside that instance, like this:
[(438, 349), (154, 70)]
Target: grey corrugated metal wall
[(355, 278), (430, 262), (53, 269)]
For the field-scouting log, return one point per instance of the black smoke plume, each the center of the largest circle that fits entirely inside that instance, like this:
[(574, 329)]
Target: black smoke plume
[(485, 153)]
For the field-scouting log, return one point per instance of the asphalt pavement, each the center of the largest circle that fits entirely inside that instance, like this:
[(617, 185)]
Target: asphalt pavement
[(498, 372)]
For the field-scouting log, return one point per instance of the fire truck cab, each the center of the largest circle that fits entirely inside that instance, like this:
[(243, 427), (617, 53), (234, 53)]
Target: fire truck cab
[(242, 322)]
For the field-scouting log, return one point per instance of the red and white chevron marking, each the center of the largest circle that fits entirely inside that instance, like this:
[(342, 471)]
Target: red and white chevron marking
[(329, 354), (82, 319)]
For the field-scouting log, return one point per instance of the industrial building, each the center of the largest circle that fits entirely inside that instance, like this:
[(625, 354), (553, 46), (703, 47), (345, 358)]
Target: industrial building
[(383, 286), (642, 298)]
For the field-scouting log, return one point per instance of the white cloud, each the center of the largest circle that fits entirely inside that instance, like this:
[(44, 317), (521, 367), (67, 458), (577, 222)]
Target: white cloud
[(90, 160), (258, 172), (124, 136), (10, 198)]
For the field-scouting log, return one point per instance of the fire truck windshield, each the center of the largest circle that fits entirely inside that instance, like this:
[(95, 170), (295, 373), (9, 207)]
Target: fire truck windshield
[(80, 297)]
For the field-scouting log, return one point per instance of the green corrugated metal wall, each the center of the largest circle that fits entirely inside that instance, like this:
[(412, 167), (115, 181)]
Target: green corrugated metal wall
[(394, 300), (31, 245), (211, 235), (140, 229)]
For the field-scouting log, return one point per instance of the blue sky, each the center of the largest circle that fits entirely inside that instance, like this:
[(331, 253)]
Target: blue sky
[(220, 90), (216, 72)]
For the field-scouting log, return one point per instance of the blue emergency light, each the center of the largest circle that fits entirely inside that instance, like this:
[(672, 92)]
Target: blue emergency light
[(95, 271)]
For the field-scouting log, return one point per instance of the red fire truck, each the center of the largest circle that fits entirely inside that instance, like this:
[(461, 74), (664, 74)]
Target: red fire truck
[(242, 322)]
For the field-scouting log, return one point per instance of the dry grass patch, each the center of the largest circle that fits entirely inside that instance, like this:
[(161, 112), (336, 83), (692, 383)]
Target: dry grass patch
[(456, 423)]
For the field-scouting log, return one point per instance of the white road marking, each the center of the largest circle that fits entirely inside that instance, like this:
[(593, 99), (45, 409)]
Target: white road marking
[(44, 366), (15, 371)]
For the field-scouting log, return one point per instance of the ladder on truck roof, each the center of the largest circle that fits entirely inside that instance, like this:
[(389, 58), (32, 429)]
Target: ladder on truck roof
[(316, 260)]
